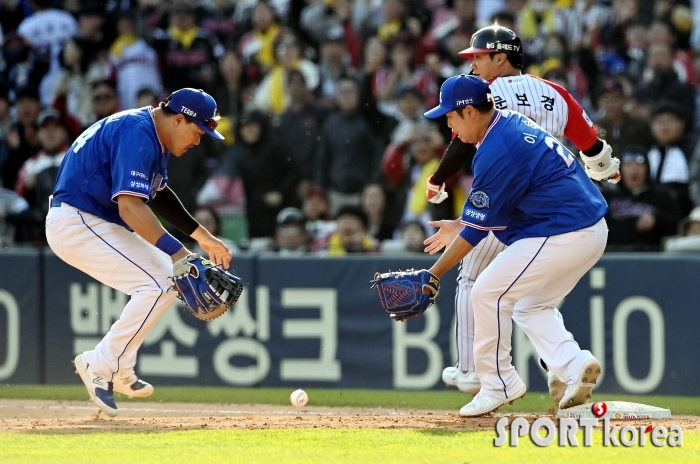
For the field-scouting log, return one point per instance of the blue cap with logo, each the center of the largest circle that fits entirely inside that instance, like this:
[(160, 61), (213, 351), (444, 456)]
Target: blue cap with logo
[(197, 106), (458, 92)]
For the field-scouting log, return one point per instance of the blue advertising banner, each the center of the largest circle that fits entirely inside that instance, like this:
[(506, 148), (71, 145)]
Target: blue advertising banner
[(20, 325), (316, 322)]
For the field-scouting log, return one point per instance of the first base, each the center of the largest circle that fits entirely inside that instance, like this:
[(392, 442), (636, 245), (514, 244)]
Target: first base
[(617, 410)]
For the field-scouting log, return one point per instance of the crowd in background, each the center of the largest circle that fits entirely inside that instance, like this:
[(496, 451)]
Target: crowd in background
[(326, 149)]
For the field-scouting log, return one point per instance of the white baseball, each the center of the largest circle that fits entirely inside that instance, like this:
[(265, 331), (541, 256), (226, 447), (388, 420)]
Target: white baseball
[(299, 398)]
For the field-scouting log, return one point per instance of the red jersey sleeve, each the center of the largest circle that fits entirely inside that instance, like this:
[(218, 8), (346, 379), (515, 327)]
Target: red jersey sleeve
[(579, 128)]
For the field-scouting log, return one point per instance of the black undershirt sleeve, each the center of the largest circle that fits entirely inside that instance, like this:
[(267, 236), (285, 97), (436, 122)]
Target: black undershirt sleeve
[(595, 149), (168, 205), (456, 154)]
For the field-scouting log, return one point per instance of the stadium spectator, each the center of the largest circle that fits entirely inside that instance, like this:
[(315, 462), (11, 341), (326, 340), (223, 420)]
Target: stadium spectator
[(319, 224), (146, 97), (412, 234), (257, 47), (37, 176), (640, 212), (348, 153), (218, 18), (408, 114), (12, 208), (668, 157), (188, 54), (619, 128), (48, 29), (20, 64), (662, 83), (73, 94), (267, 172), (403, 71), (272, 95), (398, 17), (21, 137), (291, 238), (134, 63), (298, 129), (688, 238), (539, 19), (375, 204), (231, 93), (351, 234), (320, 17), (104, 100), (333, 65), (407, 167)]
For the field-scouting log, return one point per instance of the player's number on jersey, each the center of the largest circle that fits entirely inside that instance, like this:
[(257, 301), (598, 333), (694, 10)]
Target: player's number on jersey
[(85, 136), (555, 145)]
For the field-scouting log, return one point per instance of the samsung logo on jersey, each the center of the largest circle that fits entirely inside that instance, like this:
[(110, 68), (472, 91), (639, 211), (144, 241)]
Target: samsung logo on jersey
[(470, 213), (502, 46), (188, 112)]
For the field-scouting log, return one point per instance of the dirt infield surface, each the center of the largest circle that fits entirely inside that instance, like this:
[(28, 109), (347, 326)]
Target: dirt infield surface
[(81, 416)]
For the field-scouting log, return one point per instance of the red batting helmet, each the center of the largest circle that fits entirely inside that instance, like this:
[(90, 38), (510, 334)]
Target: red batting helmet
[(496, 39)]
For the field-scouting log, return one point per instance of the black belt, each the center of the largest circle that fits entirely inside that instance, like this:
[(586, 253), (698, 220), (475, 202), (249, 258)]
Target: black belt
[(55, 203)]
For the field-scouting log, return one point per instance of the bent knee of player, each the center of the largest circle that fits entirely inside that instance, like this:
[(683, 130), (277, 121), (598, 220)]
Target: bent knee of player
[(484, 293)]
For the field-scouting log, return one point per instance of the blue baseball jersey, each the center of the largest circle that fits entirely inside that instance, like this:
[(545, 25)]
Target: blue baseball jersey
[(120, 154), (527, 184)]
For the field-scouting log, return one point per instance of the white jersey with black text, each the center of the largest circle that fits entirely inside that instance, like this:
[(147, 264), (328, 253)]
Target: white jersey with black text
[(534, 98)]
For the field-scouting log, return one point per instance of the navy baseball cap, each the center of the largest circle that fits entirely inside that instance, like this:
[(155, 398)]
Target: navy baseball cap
[(458, 92), (197, 106)]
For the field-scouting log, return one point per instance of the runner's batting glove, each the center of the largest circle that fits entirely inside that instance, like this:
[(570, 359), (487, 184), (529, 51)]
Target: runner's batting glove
[(602, 166), (406, 294), (436, 193)]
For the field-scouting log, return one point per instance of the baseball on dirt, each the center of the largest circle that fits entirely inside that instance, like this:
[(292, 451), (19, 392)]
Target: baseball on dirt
[(299, 398)]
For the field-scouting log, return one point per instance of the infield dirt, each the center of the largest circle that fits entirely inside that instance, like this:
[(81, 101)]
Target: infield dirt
[(82, 416)]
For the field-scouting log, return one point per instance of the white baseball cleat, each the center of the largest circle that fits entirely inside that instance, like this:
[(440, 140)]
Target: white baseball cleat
[(483, 404), (101, 391), (130, 385), (467, 382), (580, 392)]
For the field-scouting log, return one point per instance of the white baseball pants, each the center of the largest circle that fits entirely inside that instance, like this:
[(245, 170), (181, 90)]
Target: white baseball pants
[(523, 284), (120, 259)]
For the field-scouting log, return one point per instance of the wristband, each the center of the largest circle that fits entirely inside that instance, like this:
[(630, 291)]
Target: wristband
[(168, 244)]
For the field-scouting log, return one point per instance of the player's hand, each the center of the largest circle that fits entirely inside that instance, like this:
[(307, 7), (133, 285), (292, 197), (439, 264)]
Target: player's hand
[(218, 253), (447, 232), (645, 222)]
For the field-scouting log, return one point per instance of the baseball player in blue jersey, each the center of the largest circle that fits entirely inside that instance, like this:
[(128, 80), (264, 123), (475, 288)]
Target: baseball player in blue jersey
[(102, 221), (536, 198)]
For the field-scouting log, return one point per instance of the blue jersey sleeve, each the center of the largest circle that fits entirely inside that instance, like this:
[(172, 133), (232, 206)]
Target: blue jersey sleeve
[(499, 185), (131, 166)]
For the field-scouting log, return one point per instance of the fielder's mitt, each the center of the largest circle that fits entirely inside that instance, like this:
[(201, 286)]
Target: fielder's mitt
[(406, 294), (207, 290)]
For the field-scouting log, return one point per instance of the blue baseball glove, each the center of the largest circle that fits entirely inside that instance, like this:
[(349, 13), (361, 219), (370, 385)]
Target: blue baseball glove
[(406, 294), (207, 290)]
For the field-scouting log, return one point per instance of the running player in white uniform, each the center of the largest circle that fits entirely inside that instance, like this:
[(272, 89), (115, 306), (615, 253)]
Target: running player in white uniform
[(532, 194), (102, 222), (497, 57)]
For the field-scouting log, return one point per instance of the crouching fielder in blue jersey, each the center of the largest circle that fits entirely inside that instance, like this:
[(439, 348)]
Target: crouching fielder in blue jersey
[(101, 221), (536, 198)]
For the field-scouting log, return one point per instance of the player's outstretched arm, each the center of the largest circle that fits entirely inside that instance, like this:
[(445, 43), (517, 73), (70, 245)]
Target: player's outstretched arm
[(456, 154), (141, 219), (447, 232)]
